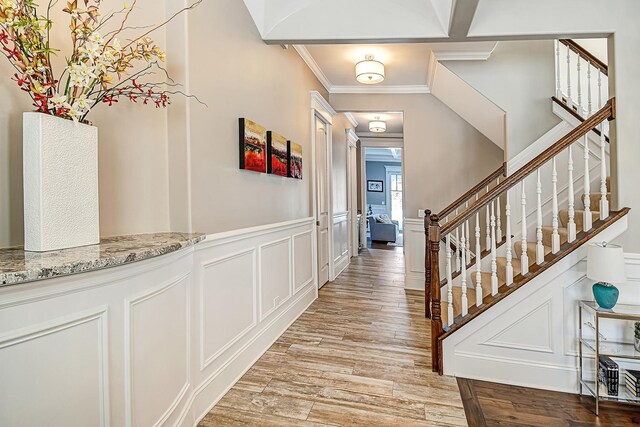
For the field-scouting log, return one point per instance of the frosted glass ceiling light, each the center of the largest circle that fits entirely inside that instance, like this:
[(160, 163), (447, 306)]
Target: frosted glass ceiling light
[(369, 71), (377, 126)]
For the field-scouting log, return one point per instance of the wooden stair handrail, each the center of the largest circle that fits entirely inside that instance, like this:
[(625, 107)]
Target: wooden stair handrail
[(501, 171), (606, 112), (575, 114), (586, 55)]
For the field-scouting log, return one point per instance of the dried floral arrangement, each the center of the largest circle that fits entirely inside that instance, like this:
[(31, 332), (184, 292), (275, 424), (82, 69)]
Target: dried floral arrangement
[(101, 68)]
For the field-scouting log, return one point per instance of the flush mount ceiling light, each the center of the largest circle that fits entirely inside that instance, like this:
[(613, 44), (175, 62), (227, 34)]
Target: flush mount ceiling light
[(369, 71), (377, 125)]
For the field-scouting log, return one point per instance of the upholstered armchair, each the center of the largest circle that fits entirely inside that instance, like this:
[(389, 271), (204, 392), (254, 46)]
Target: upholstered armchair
[(381, 232)]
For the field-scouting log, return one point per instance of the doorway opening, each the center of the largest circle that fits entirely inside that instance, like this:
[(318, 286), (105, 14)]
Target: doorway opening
[(381, 203)]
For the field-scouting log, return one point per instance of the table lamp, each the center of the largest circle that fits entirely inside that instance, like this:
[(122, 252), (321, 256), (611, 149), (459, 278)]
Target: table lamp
[(605, 265)]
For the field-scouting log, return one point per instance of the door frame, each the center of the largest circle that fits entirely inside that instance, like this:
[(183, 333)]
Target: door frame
[(352, 191), (323, 111), (377, 142), (393, 170)]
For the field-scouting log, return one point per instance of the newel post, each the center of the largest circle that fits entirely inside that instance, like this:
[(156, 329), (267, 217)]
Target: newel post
[(427, 265), (436, 319)]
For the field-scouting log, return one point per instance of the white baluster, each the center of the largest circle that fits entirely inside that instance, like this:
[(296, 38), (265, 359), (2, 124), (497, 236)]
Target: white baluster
[(558, 89), (571, 224), (580, 109), (457, 246), (539, 246), (494, 255), (449, 282), (569, 100), (478, 263), (498, 218), (589, 111), (587, 187), (488, 224), (604, 203), (524, 258), (466, 225), (465, 302), (509, 256), (599, 89), (555, 237)]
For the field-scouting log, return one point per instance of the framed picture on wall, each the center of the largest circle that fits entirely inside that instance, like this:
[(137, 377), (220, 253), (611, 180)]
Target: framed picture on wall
[(375, 186), (277, 158), (295, 160), (253, 146)]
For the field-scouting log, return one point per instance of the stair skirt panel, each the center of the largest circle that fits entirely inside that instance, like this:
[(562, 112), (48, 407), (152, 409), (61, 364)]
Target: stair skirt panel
[(529, 339)]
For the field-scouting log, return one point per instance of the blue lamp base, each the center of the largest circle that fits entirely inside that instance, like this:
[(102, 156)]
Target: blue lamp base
[(606, 295)]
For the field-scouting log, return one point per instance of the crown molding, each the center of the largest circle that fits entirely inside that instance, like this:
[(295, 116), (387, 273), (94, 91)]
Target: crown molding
[(380, 135), (351, 119), (463, 55), (320, 105), (352, 137), (313, 66), (381, 89)]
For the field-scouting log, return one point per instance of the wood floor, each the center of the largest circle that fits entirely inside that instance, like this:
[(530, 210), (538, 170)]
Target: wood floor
[(358, 356), (490, 404)]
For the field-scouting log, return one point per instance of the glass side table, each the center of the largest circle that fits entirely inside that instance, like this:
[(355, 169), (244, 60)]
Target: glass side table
[(592, 344)]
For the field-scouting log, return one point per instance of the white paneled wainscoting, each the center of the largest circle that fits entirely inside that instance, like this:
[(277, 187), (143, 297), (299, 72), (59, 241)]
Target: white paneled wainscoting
[(157, 342), (341, 255), (414, 243)]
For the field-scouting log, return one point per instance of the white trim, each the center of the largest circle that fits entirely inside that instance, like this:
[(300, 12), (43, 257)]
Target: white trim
[(351, 119), (352, 138), (322, 107), (380, 89), (386, 135), (381, 143), (463, 55), (431, 70), (313, 66)]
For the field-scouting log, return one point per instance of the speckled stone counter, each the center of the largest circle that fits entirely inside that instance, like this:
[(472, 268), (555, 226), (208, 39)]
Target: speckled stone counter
[(18, 266)]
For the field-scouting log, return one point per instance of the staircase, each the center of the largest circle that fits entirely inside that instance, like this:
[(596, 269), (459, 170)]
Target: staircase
[(484, 247)]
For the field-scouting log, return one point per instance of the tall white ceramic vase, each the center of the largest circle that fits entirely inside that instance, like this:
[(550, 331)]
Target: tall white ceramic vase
[(60, 172)]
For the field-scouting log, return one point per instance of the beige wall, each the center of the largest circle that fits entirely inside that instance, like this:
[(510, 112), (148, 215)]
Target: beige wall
[(233, 71), (132, 151), (520, 78), (443, 154), (178, 169)]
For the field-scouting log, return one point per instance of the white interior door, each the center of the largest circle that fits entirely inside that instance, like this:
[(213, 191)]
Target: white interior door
[(322, 205)]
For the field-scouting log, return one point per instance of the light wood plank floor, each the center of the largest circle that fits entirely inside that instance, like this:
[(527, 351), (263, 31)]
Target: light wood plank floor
[(358, 356)]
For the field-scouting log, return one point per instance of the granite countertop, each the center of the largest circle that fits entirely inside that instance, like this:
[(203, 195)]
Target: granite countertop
[(18, 266)]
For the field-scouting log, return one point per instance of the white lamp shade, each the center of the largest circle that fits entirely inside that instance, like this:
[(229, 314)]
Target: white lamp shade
[(377, 126), (370, 71), (605, 263)]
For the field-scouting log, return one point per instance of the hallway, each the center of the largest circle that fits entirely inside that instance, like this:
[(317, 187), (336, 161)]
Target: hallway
[(358, 356)]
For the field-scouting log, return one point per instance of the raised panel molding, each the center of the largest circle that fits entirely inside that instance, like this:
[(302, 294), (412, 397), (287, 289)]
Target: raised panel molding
[(227, 304), (519, 334), (52, 400), (302, 260), (275, 284), (414, 253), (167, 363), (159, 337)]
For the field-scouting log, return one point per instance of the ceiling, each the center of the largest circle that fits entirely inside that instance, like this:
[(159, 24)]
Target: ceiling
[(393, 120), (406, 65)]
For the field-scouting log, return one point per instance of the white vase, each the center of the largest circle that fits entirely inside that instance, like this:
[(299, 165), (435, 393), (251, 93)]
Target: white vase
[(60, 173)]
